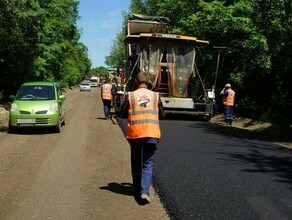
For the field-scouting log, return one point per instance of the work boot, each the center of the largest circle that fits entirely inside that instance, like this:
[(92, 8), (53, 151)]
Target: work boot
[(230, 122), (145, 198)]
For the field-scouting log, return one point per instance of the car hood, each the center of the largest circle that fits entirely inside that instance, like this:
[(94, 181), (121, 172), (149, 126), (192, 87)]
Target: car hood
[(35, 105)]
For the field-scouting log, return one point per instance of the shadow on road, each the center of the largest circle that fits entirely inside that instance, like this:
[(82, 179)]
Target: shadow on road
[(32, 131), (120, 188), (185, 117), (261, 157), (124, 189), (272, 134), (277, 165), (112, 118)]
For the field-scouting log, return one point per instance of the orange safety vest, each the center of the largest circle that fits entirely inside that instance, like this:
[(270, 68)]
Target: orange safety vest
[(143, 121), (229, 100), (106, 92)]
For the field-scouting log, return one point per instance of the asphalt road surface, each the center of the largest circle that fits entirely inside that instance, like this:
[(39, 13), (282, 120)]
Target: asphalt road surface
[(206, 171)]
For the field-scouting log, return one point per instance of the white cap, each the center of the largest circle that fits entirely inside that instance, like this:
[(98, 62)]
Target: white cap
[(228, 85)]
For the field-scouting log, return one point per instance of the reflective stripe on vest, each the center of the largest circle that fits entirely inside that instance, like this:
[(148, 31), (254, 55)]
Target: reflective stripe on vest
[(229, 100), (143, 114), (107, 91)]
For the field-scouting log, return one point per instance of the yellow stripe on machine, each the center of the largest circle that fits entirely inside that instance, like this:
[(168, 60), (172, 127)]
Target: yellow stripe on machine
[(166, 36)]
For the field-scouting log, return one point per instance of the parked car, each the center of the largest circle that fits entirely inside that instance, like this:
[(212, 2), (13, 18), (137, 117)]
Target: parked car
[(38, 104), (85, 87)]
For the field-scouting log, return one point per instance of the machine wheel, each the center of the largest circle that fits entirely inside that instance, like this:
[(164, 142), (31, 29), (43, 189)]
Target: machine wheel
[(207, 117)]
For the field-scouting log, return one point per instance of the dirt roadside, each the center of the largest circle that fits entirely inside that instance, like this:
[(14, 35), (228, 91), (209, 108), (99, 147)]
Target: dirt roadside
[(258, 129), (81, 173)]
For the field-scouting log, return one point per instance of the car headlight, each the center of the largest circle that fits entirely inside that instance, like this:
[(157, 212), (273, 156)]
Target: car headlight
[(53, 107), (14, 108)]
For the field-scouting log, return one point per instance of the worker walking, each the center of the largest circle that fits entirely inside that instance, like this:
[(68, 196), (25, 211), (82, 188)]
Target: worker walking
[(228, 101), (143, 109), (107, 93)]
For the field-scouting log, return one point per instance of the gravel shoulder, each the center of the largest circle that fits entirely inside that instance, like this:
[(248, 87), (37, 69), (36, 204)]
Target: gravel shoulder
[(258, 129), (81, 173)]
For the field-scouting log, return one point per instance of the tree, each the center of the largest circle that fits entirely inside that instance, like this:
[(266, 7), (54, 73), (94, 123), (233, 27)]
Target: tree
[(257, 60), (99, 71), (39, 41)]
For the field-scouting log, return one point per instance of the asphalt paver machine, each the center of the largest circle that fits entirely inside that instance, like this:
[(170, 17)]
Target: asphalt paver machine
[(171, 61)]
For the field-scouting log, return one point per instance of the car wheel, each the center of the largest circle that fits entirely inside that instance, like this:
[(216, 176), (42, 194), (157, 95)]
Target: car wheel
[(63, 122), (11, 129), (58, 127)]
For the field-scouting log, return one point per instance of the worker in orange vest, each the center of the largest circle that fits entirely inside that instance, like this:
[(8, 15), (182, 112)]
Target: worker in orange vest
[(143, 109), (107, 93), (228, 101)]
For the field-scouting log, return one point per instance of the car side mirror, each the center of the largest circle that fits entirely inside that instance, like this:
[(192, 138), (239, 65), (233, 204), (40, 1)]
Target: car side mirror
[(62, 98), (12, 97)]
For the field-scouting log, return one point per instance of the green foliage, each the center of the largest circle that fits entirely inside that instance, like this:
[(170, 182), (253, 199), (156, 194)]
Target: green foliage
[(257, 60), (39, 41), (99, 71), (138, 6), (195, 90)]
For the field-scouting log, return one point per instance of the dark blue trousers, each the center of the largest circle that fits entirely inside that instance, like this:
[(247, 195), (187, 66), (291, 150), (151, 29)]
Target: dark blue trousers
[(142, 160), (106, 106), (228, 112)]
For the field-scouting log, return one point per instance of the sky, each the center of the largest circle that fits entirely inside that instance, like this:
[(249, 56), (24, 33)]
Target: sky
[(100, 22)]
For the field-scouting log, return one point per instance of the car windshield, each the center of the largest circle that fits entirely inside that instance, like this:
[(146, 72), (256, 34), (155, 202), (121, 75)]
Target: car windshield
[(85, 84), (36, 92)]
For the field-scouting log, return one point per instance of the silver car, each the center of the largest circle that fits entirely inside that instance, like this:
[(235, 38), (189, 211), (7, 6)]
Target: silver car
[(85, 87)]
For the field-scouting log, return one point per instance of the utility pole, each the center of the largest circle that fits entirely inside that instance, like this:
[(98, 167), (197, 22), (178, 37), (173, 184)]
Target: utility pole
[(219, 50)]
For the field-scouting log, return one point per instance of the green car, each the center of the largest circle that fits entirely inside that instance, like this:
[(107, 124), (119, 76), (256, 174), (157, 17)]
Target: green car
[(38, 104)]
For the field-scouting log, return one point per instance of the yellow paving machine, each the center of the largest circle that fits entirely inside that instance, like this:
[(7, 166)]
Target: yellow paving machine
[(171, 61)]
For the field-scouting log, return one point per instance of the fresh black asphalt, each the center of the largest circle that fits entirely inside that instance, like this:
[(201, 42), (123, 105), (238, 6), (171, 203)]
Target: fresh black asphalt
[(206, 171)]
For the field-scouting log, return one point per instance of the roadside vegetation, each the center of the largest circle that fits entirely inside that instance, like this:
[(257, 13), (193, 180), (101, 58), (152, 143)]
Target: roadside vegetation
[(99, 71), (40, 41), (257, 60)]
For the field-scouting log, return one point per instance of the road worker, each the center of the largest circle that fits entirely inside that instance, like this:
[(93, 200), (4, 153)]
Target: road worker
[(107, 93), (228, 101), (143, 109)]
